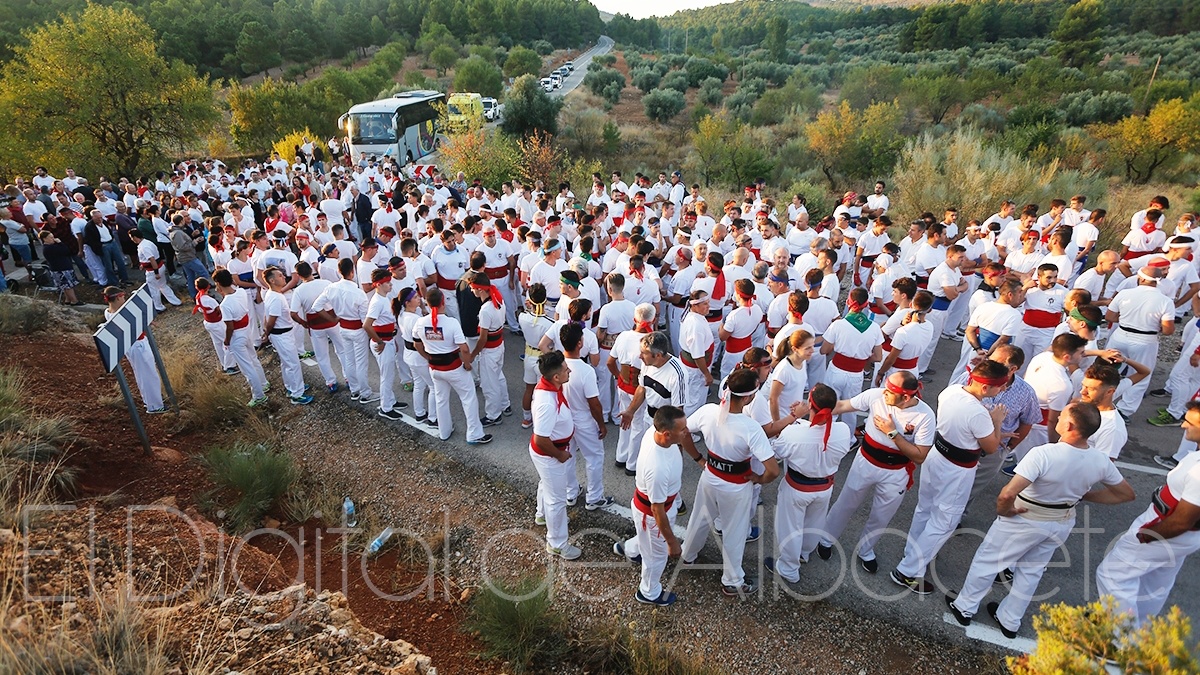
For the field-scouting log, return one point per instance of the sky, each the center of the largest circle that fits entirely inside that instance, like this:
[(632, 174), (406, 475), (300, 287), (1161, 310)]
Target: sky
[(640, 9)]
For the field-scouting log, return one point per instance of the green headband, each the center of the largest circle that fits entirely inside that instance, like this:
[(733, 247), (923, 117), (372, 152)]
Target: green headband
[(1077, 315)]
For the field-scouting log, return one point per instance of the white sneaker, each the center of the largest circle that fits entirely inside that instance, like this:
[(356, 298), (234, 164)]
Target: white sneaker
[(567, 552)]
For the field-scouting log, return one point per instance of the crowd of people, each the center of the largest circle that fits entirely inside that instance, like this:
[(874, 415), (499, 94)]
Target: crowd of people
[(753, 337)]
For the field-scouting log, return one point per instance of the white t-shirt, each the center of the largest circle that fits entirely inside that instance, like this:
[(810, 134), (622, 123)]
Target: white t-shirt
[(1050, 381), (579, 388), (551, 418), (794, 382), (1112, 435), (1142, 308), (659, 470), (915, 423), (804, 448), (962, 419), (734, 438), (276, 305), (1061, 473)]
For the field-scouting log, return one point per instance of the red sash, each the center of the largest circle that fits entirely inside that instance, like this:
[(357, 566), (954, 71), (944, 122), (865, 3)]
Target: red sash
[(350, 324), (317, 322), (848, 364), (241, 323), (905, 364), (210, 316), (736, 345), (496, 272), (1040, 318), (642, 503), (495, 339), (560, 444), (446, 284), (386, 333)]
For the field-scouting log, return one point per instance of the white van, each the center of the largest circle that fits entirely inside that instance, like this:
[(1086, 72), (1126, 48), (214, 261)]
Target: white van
[(547, 84), (557, 79)]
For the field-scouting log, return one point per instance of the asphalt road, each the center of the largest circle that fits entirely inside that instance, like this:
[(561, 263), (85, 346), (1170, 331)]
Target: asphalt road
[(842, 581)]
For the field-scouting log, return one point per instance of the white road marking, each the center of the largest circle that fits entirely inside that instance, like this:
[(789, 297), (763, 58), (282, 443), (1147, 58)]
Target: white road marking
[(993, 636), (1144, 469)]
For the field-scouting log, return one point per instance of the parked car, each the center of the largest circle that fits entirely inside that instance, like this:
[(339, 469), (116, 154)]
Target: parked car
[(491, 109), (570, 66), (547, 84), (556, 78)]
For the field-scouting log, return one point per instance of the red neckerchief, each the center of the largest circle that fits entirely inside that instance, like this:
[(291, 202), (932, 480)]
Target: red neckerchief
[(545, 385)]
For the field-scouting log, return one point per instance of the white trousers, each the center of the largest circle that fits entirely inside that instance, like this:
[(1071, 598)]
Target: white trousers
[(406, 375), (1140, 576), (1183, 382), (424, 403), (458, 381), (696, 392), (159, 289), (95, 265), (846, 385), (629, 441), (321, 339), (247, 361), (886, 487), (145, 373), (511, 303), (353, 355), (606, 384), (937, 319), (490, 364), (649, 543), (729, 362), (733, 503), (216, 332), (1022, 545), (799, 525), (674, 320), (941, 500), (586, 445), (1033, 341), (386, 360), (552, 493), (289, 362), (957, 314), (1140, 348)]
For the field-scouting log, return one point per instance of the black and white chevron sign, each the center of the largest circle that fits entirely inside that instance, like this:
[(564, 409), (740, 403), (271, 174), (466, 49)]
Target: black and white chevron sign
[(117, 335)]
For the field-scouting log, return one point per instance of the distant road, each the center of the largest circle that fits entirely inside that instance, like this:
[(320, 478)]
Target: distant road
[(603, 46)]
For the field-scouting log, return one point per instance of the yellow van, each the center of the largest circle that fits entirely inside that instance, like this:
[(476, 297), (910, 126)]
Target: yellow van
[(465, 111)]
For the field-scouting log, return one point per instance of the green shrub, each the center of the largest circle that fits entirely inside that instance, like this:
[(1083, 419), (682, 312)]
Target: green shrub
[(710, 93), (598, 80), (251, 480), (645, 79), (516, 623), (662, 105), (677, 80), (1087, 107)]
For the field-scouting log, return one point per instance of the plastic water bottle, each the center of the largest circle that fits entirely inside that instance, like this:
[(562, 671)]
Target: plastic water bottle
[(348, 514), (378, 542)]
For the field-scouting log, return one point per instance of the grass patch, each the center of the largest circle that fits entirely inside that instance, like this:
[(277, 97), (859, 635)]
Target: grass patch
[(619, 650), (119, 642), (521, 631), (22, 316), (211, 399), (32, 449), (251, 480)]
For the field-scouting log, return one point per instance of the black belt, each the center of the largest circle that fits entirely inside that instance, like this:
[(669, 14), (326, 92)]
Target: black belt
[(446, 359), (726, 466), (410, 345), (281, 331), (882, 454), (651, 409), (1060, 507), (1136, 331), (800, 479), (960, 456)]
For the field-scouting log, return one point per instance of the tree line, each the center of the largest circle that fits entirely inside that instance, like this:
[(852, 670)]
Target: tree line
[(233, 38)]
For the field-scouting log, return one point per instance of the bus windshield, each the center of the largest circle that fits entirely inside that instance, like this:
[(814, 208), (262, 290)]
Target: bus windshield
[(453, 109), (372, 128)]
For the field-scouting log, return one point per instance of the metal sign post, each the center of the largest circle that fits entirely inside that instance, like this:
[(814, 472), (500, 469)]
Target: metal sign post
[(117, 335)]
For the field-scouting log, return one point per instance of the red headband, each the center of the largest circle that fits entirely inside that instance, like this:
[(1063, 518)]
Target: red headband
[(1158, 262), (718, 291), (643, 326), (897, 389), (990, 381), (497, 298), (821, 416), (855, 306)]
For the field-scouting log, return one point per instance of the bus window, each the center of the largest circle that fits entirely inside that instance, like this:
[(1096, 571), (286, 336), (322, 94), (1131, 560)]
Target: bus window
[(372, 128)]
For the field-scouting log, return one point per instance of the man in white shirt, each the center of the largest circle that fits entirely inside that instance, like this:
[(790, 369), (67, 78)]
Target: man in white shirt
[(1140, 314), (1036, 516), (877, 202)]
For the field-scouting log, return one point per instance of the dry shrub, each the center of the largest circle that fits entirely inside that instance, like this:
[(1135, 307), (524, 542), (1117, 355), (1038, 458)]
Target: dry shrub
[(960, 169), (1125, 199), (617, 649), (32, 450), (22, 316), (209, 399)]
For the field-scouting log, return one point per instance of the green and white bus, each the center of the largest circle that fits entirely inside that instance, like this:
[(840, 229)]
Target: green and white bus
[(403, 126)]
